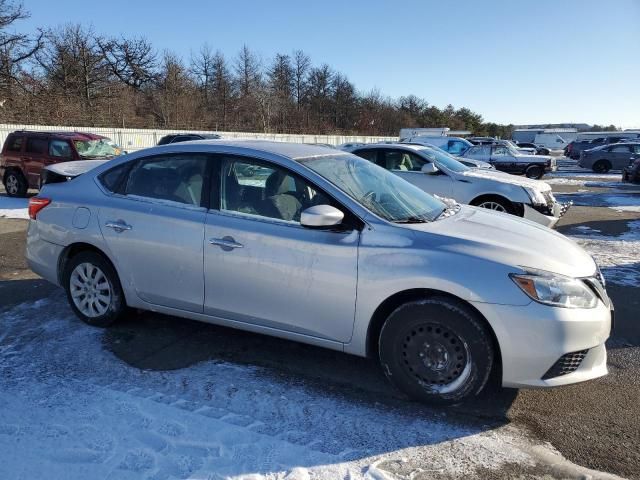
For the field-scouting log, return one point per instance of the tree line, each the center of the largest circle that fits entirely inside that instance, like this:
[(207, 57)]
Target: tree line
[(71, 75)]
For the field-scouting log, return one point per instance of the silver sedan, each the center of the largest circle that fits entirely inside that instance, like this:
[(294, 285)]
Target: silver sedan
[(320, 246)]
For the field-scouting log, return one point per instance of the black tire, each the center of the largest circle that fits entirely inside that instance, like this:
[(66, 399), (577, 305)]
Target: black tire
[(115, 307), (601, 166), (411, 346), (15, 184), (534, 171)]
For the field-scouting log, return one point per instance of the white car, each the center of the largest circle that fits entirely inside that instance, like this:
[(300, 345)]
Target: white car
[(439, 173)]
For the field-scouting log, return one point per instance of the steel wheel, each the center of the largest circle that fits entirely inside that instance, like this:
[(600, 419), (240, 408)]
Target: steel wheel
[(90, 290), (437, 357), (12, 184), (498, 207)]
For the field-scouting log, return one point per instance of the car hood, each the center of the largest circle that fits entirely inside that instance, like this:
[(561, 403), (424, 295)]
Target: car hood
[(507, 240), (498, 176)]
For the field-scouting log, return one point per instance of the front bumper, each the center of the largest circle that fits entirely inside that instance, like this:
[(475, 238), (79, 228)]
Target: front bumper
[(535, 337), (547, 215)]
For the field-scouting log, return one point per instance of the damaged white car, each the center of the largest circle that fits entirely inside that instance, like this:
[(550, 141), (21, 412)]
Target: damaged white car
[(439, 173)]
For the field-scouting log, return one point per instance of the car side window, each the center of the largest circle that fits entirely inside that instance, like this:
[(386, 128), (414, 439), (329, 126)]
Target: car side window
[(402, 160), (370, 154), (265, 190), (456, 147), (500, 151), (15, 143), (36, 145), (636, 149), (173, 178), (59, 148), (620, 148)]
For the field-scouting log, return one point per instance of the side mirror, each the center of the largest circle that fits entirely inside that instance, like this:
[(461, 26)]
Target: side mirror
[(429, 168), (321, 216)]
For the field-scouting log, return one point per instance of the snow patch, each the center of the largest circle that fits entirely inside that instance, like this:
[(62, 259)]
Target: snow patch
[(69, 408), (11, 207), (617, 256)]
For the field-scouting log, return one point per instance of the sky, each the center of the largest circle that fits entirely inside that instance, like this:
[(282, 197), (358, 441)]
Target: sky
[(519, 62)]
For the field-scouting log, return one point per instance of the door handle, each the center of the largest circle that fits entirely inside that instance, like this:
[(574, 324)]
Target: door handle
[(227, 243), (118, 226)]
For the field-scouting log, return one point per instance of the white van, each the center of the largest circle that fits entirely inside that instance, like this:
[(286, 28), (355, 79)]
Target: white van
[(552, 141), (452, 145)]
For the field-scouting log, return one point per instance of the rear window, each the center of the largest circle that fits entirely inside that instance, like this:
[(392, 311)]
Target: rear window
[(14, 143), (37, 145)]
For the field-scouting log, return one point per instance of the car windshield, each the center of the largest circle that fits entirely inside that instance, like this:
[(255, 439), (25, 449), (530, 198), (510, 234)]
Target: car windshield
[(440, 157), (99, 148), (377, 189)]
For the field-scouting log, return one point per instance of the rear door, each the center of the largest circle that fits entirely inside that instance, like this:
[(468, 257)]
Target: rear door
[(34, 158), (263, 268), (154, 227), (620, 156)]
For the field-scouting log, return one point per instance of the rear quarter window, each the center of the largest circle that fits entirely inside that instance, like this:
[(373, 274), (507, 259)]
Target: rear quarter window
[(113, 179), (14, 143)]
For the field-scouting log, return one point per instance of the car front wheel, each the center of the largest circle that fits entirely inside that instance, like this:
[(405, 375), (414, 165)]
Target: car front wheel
[(436, 350), (93, 289), (15, 184)]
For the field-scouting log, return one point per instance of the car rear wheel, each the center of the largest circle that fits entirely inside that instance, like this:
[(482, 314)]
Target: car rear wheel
[(93, 289), (534, 171), (436, 350), (15, 184), (601, 166)]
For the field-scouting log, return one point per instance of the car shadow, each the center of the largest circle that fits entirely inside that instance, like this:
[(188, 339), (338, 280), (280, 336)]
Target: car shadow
[(152, 341)]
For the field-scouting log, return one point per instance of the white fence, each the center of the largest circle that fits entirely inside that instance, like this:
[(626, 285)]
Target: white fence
[(135, 139)]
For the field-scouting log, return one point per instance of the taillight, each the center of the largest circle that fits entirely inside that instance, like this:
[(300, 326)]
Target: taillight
[(36, 204)]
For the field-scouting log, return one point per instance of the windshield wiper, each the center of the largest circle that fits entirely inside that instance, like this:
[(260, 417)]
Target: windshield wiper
[(411, 220)]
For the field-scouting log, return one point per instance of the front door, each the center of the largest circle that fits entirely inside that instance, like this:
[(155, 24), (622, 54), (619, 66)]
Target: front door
[(262, 267), (154, 229), (408, 166), (503, 160), (620, 156)]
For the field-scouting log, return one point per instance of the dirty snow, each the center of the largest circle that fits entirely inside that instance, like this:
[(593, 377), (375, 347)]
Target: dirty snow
[(618, 256), (70, 409), (13, 207)]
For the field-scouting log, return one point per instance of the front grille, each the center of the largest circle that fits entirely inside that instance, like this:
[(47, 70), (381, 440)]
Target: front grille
[(568, 363)]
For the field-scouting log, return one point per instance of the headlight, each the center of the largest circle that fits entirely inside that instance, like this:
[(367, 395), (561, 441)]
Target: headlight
[(535, 195), (556, 290)]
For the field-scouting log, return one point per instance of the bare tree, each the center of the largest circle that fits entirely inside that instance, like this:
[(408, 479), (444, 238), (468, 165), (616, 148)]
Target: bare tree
[(301, 66), (15, 48), (132, 60), (202, 67)]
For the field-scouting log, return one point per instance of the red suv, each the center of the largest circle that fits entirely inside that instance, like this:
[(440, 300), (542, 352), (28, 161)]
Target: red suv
[(26, 153)]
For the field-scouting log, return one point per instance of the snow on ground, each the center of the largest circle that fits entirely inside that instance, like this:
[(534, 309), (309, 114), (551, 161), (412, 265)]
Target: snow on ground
[(13, 207), (618, 256), (70, 409)]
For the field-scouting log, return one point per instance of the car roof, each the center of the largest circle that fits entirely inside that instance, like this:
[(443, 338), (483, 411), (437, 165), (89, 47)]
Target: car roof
[(407, 146), (66, 134), (292, 151)]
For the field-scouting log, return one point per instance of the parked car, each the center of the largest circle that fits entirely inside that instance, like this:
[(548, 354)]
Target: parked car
[(25, 153), (331, 250), (507, 159), (631, 173), (574, 149), (347, 147), (187, 137), (609, 157), (452, 145), (498, 141), (439, 173), (539, 150), (552, 141)]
